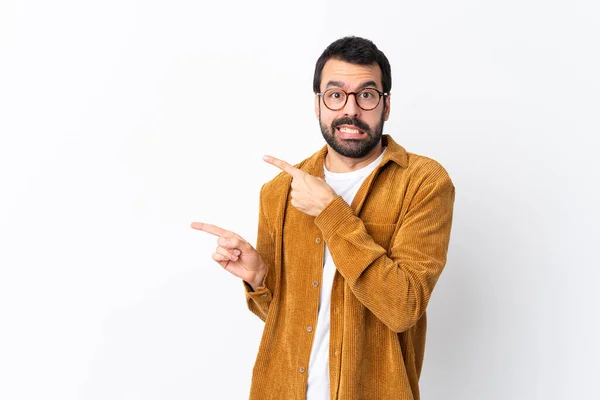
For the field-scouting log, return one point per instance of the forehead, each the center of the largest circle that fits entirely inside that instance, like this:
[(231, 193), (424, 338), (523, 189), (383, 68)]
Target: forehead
[(351, 75)]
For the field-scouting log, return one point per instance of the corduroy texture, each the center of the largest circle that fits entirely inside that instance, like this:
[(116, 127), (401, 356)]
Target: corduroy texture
[(389, 247)]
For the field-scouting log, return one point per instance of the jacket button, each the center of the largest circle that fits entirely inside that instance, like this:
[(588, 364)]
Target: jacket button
[(309, 329), (315, 283), (318, 240), (302, 369)]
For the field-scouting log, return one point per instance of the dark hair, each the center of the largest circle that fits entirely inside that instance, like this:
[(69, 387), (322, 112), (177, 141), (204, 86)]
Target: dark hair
[(354, 50)]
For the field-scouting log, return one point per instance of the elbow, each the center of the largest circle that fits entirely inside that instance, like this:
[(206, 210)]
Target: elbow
[(403, 323), (407, 312)]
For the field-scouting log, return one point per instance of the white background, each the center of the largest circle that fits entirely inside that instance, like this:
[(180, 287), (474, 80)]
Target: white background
[(123, 121)]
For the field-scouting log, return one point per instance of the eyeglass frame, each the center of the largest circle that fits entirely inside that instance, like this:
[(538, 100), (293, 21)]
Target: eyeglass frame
[(381, 94)]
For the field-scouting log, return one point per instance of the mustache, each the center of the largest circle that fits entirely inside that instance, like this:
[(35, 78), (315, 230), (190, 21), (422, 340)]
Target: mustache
[(350, 121)]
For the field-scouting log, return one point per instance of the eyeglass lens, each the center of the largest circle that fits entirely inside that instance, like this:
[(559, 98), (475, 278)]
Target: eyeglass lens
[(367, 99)]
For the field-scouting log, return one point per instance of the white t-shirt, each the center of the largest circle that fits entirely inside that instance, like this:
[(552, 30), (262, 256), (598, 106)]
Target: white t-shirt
[(345, 184)]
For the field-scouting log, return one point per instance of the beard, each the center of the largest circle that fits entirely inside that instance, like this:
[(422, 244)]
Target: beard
[(352, 148)]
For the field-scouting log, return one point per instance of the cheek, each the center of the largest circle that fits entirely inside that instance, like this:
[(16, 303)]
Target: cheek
[(372, 121), (327, 118)]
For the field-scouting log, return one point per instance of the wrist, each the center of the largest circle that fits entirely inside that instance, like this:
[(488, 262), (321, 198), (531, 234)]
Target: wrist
[(259, 278), (326, 202)]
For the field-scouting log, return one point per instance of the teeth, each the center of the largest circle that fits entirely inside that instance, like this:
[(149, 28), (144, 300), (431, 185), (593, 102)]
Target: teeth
[(348, 130)]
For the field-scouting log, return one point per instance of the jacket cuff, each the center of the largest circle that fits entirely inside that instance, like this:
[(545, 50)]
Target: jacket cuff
[(262, 293), (335, 214)]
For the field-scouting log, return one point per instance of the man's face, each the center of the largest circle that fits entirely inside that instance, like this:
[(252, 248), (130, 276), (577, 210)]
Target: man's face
[(351, 131)]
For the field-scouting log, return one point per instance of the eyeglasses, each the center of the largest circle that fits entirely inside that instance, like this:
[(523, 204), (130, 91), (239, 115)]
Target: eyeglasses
[(367, 99)]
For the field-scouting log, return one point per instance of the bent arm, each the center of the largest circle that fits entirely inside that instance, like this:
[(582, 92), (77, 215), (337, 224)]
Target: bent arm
[(395, 284), (258, 299)]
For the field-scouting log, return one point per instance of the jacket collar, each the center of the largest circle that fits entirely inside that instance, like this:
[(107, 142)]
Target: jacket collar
[(394, 153)]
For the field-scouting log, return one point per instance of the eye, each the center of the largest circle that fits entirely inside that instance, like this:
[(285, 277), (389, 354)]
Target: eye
[(367, 94), (335, 94)]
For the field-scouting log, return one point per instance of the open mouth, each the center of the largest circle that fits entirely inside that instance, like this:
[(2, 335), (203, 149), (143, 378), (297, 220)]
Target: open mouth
[(349, 132)]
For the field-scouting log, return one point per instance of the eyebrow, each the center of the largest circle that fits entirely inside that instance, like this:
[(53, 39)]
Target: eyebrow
[(341, 84)]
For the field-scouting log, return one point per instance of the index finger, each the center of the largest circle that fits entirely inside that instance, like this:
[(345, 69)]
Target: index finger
[(284, 166), (212, 229)]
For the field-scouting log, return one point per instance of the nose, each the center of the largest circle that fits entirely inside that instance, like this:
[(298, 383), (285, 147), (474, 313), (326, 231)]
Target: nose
[(351, 107)]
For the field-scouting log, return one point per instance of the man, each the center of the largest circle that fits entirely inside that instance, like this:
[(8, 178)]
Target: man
[(350, 245)]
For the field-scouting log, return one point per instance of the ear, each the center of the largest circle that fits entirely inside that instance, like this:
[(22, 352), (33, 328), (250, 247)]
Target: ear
[(387, 106), (317, 100)]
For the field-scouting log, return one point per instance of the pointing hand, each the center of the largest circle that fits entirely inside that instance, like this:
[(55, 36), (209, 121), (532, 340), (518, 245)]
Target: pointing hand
[(309, 194), (235, 254)]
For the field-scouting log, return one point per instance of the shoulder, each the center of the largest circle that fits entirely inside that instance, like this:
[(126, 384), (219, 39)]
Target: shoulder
[(410, 167), (275, 187), (426, 170)]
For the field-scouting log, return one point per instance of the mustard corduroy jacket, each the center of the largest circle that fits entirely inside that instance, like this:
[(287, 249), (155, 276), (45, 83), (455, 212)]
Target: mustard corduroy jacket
[(389, 247)]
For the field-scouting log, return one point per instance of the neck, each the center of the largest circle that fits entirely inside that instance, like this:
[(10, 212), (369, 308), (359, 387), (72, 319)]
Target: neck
[(335, 162)]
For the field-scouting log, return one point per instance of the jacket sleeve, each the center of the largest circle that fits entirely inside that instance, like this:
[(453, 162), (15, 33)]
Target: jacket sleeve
[(258, 301), (395, 284)]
